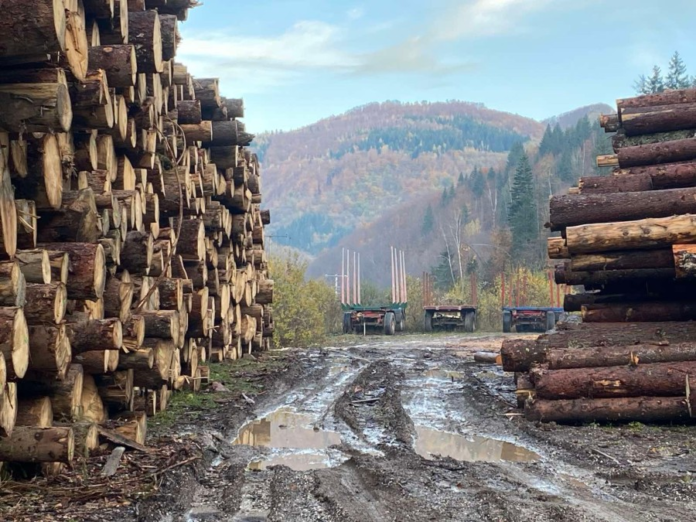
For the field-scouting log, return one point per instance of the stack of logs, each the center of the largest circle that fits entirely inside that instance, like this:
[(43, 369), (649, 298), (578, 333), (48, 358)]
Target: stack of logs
[(132, 237), (630, 240)]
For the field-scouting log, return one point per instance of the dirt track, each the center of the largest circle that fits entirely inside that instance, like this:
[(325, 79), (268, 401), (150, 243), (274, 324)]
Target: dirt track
[(354, 434)]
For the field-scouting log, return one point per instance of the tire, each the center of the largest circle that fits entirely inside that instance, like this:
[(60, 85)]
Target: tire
[(400, 322), (428, 322), (470, 322), (347, 327), (389, 323), (550, 321), (507, 322)]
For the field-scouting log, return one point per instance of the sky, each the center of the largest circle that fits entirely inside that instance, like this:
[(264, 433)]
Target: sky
[(297, 61)]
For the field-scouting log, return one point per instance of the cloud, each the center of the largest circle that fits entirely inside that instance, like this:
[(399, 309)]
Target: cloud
[(481, 18), (260, 63)]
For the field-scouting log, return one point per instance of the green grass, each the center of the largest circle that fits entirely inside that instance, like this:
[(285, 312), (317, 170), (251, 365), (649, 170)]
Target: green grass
[(244, 376)]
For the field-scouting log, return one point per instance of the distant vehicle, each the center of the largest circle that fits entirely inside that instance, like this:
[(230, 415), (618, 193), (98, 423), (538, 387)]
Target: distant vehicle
[(382, 319), (449, 318), (530, 318)]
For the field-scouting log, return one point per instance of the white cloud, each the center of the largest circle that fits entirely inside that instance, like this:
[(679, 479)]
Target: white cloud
[(477, 18)]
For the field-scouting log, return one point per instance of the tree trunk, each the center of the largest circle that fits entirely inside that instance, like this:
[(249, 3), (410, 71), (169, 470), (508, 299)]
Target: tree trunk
[(146, 36), (35, 265), (50, 351), (189, 112), (8, 410), (195, 132), (568, 358), (191, 241), (138, 361), (630, 409), (36, 412), (657, 153), (14, 342), (579, 209), (159, 375), (565, 276), (118, 298), (92, 405), (617, 334), (667, 176), (46, 304), (133, 333), (99, 335), (65, 395), (639, 259), (118, 61), (116, 389), (162, 324), (29, 444), (614, 184), (657, 118), (13, 285), (86, 437), (88, 269), (76, 220), (640, 234), (136, 253), (639, 312)]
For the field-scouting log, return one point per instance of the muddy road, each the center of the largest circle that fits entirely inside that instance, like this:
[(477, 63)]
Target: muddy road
[(411, 429)]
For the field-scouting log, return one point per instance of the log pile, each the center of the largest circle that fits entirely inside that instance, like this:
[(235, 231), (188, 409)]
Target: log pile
[(630, 240), (132, 244)]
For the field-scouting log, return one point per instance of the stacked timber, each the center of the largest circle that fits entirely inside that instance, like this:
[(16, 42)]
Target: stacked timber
[(629, 241), (132, 244), (629, 238)]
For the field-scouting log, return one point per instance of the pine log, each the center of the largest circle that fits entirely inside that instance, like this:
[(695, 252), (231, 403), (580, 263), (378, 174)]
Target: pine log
[(35, 265), (8, 411), (657, 118), (65, 395), (133, 429), (35, 107), (136, 253), (76, 220), (162, 324), (138, 361), (633, 355), (93, 362), (618, 334), (636, 409), (614, 184), (46, 304), (86, 437), (118, 298), (39, 34), (191, 241), (639, 312), (669, 175), (159, 375), (14, 342), (171, 293), (50, 351), (35, 412), (76, 43), (12, 284), (115, 31), (118, 61), (116, 389), (266, 217), (189, 112), (145, 35), (657, 153), (105, 334), (92, 406), (133, 333), (27, 223), (87, 274), (30, 444), (198, 131), (621, 140), (170, 36), (208, 91), (578, 209), (669, 97), (46, 181), (623, 260), (640, 234)]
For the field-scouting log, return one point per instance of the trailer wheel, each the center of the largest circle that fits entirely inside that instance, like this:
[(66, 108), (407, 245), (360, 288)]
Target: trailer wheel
[(400, 322), (550, 321), (507, 322), (470, 322), (428, 322), (347, 327), (389, 323)]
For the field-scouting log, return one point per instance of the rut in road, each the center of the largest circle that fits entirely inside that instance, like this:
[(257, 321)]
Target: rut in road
[(397, 430)]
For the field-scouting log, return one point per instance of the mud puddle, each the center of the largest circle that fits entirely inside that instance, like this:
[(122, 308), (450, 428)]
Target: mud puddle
[(431, 443), (293, 439)]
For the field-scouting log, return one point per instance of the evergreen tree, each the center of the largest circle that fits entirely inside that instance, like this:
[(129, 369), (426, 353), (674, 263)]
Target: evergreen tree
[(428, 221), (545, 146), (655, 82), (677, 78), (522, 215), (478, 183), (514, 156), (602, 147), (452, 193), (445, 276), (445, 196), (641, 85), (460, 181), (565, 167)]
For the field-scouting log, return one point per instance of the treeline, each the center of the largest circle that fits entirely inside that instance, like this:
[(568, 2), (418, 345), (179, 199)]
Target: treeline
[(493, 220), (435, 135), (311, 233), (676, 77)]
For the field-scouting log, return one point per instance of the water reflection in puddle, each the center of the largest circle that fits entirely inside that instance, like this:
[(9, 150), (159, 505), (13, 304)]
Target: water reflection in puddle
[(285, 429), (432, 442)]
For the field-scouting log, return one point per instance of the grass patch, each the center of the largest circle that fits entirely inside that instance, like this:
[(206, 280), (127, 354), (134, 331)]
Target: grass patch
[(245, 376)]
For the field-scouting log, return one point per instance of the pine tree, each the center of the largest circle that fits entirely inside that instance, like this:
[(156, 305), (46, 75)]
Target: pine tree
[(452, 193), (545, 145), (522, 216), (460, 181), (677, 78), (516, 152), (478, 182), (565, 167), (641, 85), (656, 83), (445, 196), (428, 221)]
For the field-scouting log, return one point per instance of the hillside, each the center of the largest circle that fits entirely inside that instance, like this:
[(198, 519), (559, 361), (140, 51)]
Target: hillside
[(571, 118), (478, 201), (325, 180)]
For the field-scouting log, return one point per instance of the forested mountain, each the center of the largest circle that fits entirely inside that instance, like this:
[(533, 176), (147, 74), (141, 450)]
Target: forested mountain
[(492, 217), (326, 180)]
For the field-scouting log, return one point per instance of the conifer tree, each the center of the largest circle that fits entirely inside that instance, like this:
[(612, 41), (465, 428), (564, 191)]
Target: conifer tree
[(478, 182), (655, 82), (677, 78), (522, 215), (565, 167), (460, 181)]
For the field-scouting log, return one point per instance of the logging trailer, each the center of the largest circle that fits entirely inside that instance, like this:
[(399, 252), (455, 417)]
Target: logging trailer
[(530, 318), (361, 319), (449, 318)]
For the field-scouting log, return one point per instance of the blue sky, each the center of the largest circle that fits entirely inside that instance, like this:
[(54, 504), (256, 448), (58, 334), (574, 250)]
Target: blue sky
[(297, 61)]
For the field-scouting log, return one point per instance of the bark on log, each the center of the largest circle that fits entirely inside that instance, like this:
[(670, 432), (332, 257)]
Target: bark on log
[(614, 184), (189, 112), (105, 334), (618, 334), (669, 175), (623, 260), (116, 389), (579, 209), (634, 355), (145, 35), (118, 61), (65, 395), (50, 351), (138, 361), (657, 118), (87, 274), (46, 304), (640, 234), (13, 285), (638, 409), (136, 253), (36, 412), (195, 132), (670, 97), (35, 107), (14, 342), (118, 298), (29, 445), (557, 249), (8, 409), (563, 275), (639, 312), (657, 153), (162, 324), (35, 265), (76, 220)]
